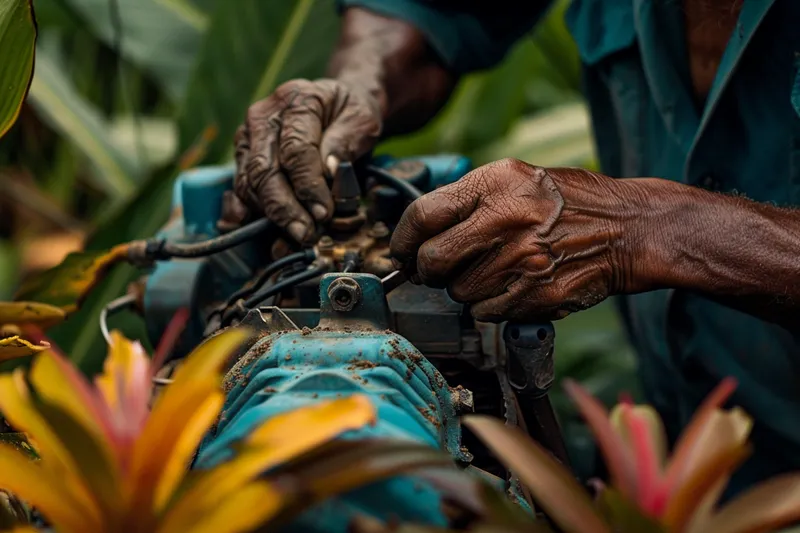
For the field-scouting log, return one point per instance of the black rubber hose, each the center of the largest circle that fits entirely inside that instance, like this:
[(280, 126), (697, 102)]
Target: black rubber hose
[(291, 281), (161, 249), (390, 180), (306, 256)]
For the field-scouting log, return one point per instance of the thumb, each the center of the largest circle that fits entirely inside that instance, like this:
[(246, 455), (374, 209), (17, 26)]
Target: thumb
[(351, 135)]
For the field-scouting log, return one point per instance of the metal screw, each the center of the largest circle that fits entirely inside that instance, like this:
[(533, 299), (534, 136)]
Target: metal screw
[(325, 243), (344, 294)]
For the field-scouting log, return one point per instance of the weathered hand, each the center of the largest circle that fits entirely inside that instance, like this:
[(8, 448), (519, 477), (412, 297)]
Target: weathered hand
[(522, 242), (287, 143)]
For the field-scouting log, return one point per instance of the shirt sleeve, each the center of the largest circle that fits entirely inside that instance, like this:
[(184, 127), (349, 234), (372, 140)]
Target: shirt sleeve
[(468, 35)]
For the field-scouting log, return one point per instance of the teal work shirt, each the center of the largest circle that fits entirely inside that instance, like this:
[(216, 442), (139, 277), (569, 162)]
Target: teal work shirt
[(746, 139)]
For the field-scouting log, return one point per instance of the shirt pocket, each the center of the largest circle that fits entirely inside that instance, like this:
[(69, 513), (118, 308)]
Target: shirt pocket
[(605, 34)]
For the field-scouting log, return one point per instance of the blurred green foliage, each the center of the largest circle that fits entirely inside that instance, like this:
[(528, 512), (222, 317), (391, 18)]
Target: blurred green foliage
[(124, 87)]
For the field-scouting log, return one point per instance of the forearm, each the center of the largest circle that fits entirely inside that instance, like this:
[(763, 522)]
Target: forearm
[(393, 61), (739, 252)]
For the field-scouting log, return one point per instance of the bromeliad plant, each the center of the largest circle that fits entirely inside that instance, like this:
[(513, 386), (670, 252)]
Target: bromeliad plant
[(648, 493), (109, 464)]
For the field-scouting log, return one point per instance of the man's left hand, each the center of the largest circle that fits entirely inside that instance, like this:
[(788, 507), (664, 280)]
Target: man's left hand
[(522, 242)]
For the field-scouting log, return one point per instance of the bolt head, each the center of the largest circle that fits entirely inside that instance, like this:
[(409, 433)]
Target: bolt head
[(344, 294)]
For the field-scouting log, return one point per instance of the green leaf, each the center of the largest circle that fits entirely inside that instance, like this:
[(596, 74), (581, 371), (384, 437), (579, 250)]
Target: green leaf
[(251, 47), (58, 102), (160, 36), (17, 41), (66, 285)]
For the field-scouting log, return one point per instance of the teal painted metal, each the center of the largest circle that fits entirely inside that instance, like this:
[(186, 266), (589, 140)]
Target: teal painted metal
[(199, 284), (349, 352)]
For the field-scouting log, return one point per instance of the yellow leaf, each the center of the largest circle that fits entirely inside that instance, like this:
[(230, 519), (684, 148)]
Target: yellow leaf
[(126, 372), (278, 440), (253, 505), (182, 452), (60, 384), (765, 507), (15, 347), (552, 486), (30, 481), (17, 407), (161, 450), (40, 314), (209, 357), (68, 284)]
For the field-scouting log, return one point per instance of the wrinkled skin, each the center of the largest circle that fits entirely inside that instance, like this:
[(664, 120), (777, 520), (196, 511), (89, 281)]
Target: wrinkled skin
[(518, 241), (287, 145)]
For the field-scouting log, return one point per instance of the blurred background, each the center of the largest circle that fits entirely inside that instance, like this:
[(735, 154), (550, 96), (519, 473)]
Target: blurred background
[(126, 92)]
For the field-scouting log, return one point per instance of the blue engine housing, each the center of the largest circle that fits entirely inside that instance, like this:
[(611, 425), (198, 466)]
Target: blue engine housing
[(347, 353), (400, 349), (201, 284)]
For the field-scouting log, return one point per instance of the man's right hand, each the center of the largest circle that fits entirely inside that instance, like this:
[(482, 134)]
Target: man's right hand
[(289, 142)]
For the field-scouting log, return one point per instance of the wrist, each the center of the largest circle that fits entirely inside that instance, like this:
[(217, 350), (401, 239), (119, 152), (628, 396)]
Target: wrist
[(659, 216), (391, 61), (684, 235)]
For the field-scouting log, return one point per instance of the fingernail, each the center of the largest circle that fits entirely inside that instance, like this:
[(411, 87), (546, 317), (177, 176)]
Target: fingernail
[(332, 163), (319, 211), (297, 230)]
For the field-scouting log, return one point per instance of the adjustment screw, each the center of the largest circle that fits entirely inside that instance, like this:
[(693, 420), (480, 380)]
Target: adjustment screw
[(344, 294)]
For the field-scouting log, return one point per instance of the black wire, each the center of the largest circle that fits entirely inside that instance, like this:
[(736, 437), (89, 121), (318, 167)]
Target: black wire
[(272, 290), (306, 256), (351, 260), (400, 185), (161, 249)]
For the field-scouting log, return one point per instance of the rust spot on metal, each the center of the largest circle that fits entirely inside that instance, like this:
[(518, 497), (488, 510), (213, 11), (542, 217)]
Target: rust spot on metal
[(428, 414), (361, 364)]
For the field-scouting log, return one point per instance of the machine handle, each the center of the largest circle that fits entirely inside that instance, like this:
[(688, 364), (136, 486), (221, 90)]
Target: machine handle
[(529, 350), (529, 365)]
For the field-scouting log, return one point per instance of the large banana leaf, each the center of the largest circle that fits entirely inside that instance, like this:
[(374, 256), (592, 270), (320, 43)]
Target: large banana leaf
[(160, 36), (17, 40), (251, 47), (56, 100)]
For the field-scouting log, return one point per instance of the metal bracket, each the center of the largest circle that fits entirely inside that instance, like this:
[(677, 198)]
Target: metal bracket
[(352, 301)]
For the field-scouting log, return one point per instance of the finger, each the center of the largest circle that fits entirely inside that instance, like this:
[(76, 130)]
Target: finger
[(574, 287), (353, 132), (272, 191), (300, 153), (234, 211), (427, 217), (490, 274), (453, 252)]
